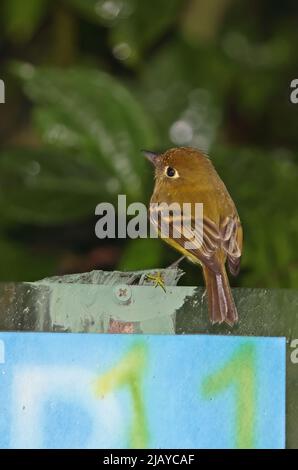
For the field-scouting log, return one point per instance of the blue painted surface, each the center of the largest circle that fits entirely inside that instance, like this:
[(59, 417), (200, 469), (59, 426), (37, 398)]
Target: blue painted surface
[(49, 399)]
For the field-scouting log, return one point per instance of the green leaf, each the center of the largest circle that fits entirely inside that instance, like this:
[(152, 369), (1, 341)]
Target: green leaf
[(21, 19), (45, 186), (91, 112)]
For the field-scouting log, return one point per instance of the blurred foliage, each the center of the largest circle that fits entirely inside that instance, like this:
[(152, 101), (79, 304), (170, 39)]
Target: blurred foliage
[(20, 23), (91, 82), (90, 114)]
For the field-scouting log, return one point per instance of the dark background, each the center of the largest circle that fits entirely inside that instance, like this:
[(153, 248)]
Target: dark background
[(91, 82)]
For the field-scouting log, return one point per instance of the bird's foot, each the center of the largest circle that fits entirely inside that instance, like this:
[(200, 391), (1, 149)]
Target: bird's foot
[(157, 279)]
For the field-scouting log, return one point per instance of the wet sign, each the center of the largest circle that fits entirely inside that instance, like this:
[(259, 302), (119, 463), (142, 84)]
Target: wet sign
[(141, 391)]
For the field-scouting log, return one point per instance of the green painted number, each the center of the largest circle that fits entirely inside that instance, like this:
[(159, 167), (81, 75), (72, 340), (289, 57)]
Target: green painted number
[(239, 372), (129, 373)]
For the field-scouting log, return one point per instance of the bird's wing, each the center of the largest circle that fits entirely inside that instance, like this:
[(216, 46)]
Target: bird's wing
[(203, 239), (232, 237), (200, 239)]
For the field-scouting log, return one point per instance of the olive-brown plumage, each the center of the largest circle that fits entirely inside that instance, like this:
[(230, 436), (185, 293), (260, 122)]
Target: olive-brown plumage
[(186, 175)]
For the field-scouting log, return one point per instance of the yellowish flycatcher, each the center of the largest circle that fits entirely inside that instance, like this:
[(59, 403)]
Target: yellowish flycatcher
[(186, 175)]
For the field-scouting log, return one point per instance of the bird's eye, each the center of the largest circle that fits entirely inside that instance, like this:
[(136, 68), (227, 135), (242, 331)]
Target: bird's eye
[(171, 172)]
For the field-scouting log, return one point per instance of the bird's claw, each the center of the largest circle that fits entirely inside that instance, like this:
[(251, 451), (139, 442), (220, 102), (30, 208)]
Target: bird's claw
[(157, 279)]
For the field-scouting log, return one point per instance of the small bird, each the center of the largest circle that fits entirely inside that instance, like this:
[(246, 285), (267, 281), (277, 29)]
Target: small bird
[(186, 175)]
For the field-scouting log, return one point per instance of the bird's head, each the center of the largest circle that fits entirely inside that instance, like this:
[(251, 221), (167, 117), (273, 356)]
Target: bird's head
[(177, 165)]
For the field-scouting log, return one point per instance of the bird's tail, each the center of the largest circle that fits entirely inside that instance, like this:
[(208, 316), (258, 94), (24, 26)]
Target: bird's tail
[(221, 304)]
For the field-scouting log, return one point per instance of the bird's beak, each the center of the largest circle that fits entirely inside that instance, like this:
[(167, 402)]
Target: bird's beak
[(151, 156)]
